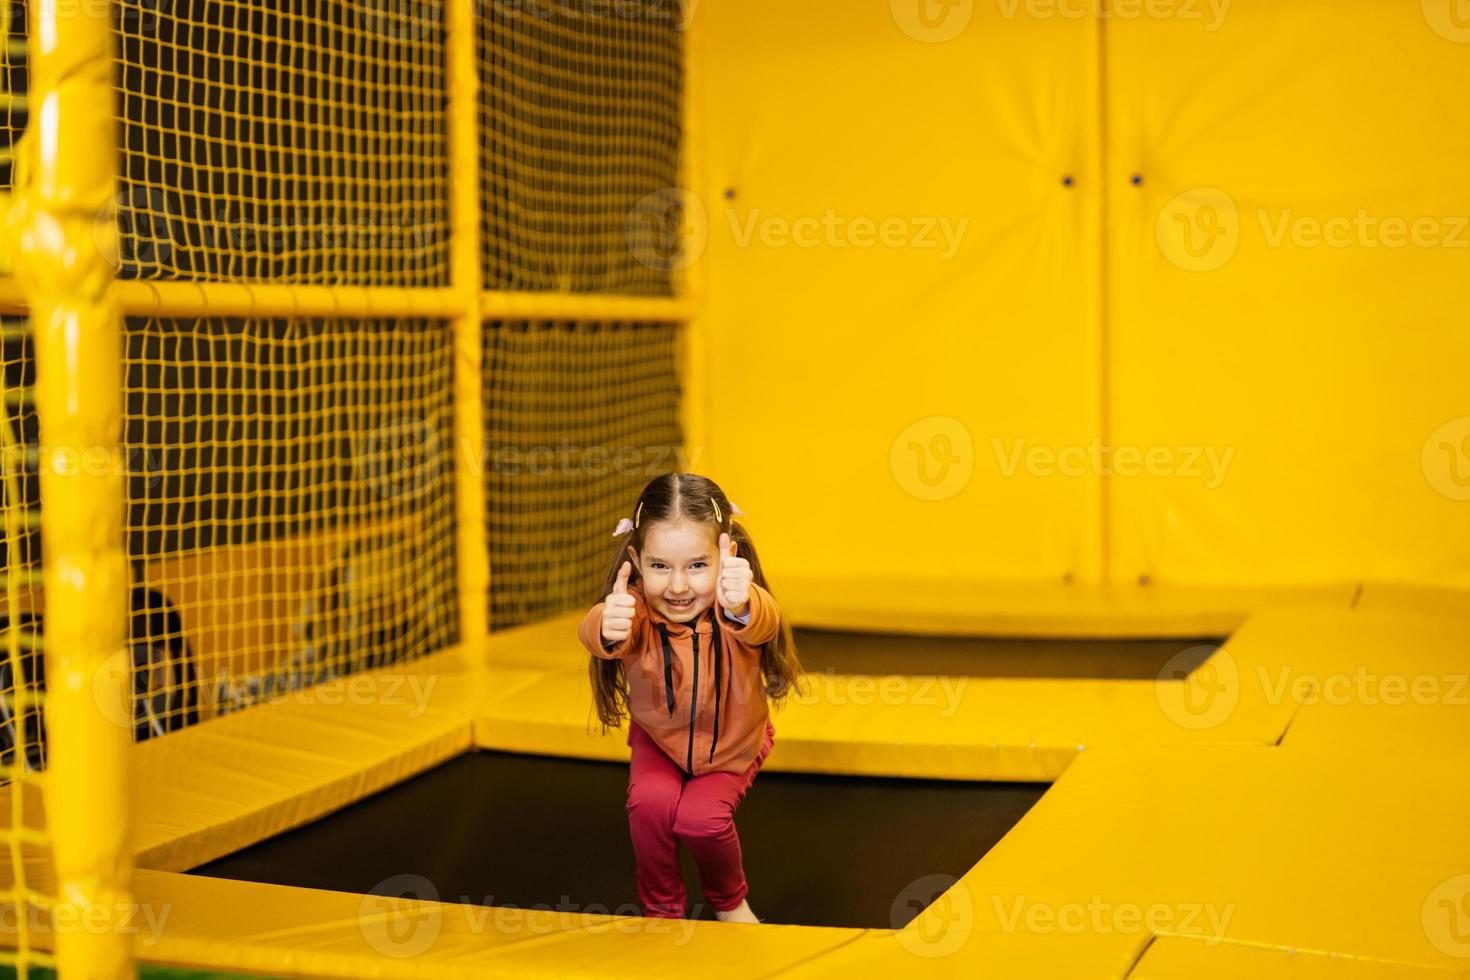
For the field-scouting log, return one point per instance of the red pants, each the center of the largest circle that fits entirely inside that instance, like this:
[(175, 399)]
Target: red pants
[(666, 806)]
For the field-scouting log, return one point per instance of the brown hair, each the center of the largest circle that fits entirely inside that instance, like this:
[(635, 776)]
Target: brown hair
[(688, 496)]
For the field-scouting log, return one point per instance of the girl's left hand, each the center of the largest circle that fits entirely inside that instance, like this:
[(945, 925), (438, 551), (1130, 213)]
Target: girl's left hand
[(735, 577)]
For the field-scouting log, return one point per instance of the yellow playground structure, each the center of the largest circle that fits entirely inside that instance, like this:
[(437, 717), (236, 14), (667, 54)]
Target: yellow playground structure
[(1095, 375)]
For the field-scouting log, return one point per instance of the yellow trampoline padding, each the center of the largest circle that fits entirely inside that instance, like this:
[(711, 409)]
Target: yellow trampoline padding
[(275, 930), (1383, 677), (210, 789), (1230, 813), (1383, 595), (226, 783), (949, 605), (1275, 847), (1180, 958), (900, 725)]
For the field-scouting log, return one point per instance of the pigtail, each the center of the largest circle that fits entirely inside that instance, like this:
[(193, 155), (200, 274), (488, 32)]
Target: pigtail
[(609, 682)]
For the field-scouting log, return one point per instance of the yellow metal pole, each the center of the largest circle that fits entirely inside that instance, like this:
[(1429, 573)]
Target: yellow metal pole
[(63, 263), (464, 229), (691, 286), (582, 306), (191, 298)]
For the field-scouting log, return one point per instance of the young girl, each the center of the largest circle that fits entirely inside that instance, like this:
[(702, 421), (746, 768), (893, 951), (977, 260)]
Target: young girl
[(690, 642)]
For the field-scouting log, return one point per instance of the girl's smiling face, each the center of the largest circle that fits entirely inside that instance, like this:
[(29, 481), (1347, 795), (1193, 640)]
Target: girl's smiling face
[(679, 567)]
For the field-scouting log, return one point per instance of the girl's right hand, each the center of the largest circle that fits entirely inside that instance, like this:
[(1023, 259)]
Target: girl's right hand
[(619, 608)]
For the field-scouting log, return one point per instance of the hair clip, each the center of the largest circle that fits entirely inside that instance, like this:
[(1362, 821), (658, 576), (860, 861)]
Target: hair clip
[(716, 506), (624, 526), (639, 515)]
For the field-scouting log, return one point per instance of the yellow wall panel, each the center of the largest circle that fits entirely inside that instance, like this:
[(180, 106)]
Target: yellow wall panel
[(844, 371), (1287, 291), (1266, 326)]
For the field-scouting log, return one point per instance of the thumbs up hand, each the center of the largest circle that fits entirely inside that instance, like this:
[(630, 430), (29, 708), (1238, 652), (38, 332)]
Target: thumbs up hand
[(618, 609), (735, 577)]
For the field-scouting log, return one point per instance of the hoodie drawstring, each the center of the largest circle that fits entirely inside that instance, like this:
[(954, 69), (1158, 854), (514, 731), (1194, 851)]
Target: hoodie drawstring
[(716, 650), (716, 646), (663, 631)]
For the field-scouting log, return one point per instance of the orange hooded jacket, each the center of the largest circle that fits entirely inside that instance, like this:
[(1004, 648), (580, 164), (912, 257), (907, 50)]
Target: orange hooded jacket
[(695, 688)]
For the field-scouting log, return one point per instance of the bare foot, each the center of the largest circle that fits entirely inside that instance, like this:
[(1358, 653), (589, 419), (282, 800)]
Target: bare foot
[(741, 913)]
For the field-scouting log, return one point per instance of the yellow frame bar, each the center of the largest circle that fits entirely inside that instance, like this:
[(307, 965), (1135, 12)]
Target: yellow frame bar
[(581, 306), (66, 276), (694, 369), (472, 554), (180, 298), (183, 299)]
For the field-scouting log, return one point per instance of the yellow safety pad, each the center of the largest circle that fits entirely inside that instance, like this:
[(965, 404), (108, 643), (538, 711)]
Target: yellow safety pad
[(240, 605), (218, 786), (1377, 595), (900, 725), (1180, 958), (40, 875), (1285, 285), (1182, 819), (1278, 847), (884, 198), (923, 604), (274, 930), (226, 783), (1397, 679)]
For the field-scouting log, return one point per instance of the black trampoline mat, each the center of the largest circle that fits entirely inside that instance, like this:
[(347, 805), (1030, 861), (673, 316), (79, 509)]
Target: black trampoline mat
[(882, 654), (492, 828)]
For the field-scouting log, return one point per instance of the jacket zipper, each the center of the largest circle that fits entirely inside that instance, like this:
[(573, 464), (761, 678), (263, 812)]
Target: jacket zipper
[(668, 668), (693, 701), (716, 649)]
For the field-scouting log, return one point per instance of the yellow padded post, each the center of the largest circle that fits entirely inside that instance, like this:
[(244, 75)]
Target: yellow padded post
[(66, 274), (473, 559)]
